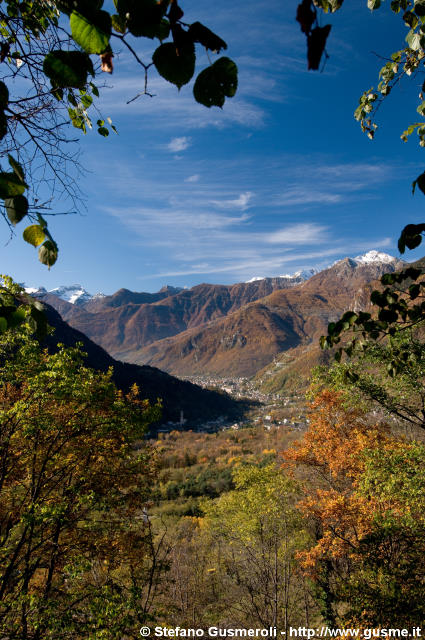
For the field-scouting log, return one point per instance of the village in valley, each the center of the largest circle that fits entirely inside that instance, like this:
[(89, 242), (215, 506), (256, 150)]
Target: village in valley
[(267, 410)]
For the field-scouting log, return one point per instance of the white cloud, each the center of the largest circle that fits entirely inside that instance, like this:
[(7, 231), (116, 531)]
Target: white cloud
[(179, 144), (241, 202), (234, 224), (307, 233), (300, 196), (186, 113)]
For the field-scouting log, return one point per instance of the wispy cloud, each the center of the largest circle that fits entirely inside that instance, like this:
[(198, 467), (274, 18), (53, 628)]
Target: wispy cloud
[(299, 196), (307, 233), (179, 144), (234, 225), (186, 113), (241, 202)]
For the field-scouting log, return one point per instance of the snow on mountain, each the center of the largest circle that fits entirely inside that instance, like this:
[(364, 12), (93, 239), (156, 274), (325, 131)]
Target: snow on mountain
[(37, 291), (374, 256), (75, 293), (304, 274)]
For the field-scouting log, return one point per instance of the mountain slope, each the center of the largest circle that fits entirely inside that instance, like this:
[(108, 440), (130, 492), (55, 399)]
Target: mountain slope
[(198, 404), (127, 321), (248, 339)]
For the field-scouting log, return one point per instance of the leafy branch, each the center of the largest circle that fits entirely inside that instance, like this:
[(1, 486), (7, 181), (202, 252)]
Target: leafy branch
[(59, 68)]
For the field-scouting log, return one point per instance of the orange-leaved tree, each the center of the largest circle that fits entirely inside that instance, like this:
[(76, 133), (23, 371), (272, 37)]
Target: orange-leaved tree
[(365, 508)]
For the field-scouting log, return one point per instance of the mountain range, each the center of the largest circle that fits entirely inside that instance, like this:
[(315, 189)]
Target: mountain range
[(221, 330)]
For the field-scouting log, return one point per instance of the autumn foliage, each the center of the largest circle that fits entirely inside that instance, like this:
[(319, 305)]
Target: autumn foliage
[(73, 547), (364, 499)]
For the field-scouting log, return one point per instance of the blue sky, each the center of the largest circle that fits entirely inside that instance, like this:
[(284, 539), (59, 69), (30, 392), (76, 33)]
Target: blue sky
[(281, 179)]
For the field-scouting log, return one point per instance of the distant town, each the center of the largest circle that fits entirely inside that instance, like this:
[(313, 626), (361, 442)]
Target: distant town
[(271, 411)]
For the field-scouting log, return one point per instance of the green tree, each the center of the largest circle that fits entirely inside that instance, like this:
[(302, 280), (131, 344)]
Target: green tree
[(260, 532), (369, 378), (77, 557), (389, 582)]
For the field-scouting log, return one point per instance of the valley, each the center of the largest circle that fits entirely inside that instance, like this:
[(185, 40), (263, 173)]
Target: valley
[(269, 411), (265, 330), (218, 356)]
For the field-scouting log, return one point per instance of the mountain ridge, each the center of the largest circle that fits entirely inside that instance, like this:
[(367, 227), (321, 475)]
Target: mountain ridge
[(223, 329), (247, 340)]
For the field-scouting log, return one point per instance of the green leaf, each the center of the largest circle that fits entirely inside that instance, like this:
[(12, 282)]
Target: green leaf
[(39, 321), (48, 253), (217, 82), (176, 67), (119, 23), (413, 273), (16, 318), (388, 315), (68, 68), (34, 234), (163, 31), (95, 90), (419, 9), (11, 185), (373, 4), (324, 344), (414, 291), (91, 34), (67, 6), (350, 317), (420, 182), (388, 278), (377, 298), (3, 324), (103, 131), (17, 168), (413, 39), (86, 100), (411, 238), (410, 19), (16, 208)]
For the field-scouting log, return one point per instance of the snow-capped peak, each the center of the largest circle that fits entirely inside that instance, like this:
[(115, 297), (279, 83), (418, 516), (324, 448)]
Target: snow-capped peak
[(374, 256), (304, 274), (74, 293), (39, 291)]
